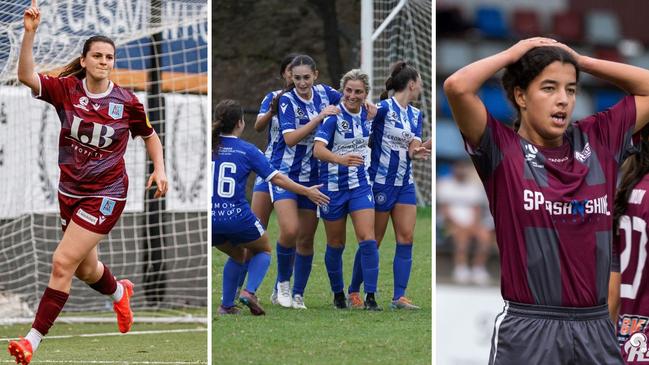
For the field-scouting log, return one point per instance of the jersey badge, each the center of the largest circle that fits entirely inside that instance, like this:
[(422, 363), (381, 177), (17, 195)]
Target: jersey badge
[(107, 206), (324, 208), (344, 125), (635, 349), (96, 106), (584, 154), (116, 111), (83, 103), (283, 107), (381, 198)]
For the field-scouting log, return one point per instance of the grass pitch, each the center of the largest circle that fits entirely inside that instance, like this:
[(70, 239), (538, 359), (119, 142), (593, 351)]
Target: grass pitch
[(321, 334)]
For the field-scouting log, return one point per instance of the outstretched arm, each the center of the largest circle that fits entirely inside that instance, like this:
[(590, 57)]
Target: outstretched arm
[(154, 149), (294, 137), (462, 87), (26, 73), (312, 192)]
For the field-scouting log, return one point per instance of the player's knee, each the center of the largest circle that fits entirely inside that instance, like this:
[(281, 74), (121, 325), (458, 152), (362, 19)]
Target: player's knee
[(289, 234), (62, 267), (404, 237), (84, 273)]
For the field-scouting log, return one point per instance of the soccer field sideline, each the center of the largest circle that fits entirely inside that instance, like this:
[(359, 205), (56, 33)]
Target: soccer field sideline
[(132, 333)]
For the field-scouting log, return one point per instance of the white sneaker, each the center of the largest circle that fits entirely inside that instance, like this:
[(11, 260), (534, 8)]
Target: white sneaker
[(273, 297), (462, 274), (480, 276), (284, 294), (298, 302)]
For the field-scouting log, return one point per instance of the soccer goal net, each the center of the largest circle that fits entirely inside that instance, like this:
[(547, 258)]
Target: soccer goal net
[(393, 30), (159, 244)]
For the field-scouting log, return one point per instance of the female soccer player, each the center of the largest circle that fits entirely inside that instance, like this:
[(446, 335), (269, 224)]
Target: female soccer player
[(550, 185), (301, 110), (395, 142), (341, 145), (629, 291), (234, 227), (96, 118)]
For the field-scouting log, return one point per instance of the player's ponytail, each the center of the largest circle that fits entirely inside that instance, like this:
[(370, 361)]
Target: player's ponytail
[(299, 60), (74, 68), (400, 74), (633, 170), (225, 117)]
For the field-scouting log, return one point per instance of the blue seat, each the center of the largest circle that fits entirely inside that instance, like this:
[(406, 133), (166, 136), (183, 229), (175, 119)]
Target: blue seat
[(606, 98), (448, 140), (493, 96), (491, 22), (442, 102)]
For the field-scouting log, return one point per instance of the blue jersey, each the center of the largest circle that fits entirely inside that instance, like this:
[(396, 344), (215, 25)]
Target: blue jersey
[(298, 162), (393, 129), (273, 129), (343, 134), (235, 160)]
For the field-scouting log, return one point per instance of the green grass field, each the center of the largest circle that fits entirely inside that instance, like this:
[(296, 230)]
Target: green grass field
[(321, 334), (103, 344)]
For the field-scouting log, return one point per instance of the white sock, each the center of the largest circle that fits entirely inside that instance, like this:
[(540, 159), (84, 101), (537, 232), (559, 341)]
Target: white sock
[(119, 292), (34, 337)]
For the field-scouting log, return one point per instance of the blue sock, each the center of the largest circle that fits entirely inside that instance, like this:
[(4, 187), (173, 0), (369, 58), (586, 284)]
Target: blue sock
[(242, 274), (369, 264), (334, 264), (302, 272), (257, 270), (357, 274), (231, 272), (285, 258), (401, 267)]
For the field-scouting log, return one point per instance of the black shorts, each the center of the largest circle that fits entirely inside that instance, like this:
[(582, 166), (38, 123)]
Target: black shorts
[(534, 334)]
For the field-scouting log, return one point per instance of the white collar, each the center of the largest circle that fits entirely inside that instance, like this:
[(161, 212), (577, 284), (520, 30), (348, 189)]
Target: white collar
[(100, 95)]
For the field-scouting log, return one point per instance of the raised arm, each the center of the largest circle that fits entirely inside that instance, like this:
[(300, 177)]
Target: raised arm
[(262, 121), (26, 73), (154, 149), (462, 87)]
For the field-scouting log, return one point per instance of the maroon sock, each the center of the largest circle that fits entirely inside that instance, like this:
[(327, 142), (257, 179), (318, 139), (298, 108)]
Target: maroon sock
[(107, 284), (49, 308)]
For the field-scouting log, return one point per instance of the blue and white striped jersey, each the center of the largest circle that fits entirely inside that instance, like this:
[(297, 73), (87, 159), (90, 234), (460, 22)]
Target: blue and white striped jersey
[(273, 128), (235, 160), (393, 129), (298, 162), (343, 134)]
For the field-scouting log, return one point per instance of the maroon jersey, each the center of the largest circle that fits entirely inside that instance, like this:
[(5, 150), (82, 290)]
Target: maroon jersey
[(552, 207), (630, 248), (94, 135)]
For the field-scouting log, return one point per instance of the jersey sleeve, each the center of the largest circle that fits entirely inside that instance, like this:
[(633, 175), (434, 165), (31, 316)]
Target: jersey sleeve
[(138, 123), (286, 115), (52, 89), (259, 164), (333, 94), (613, 128), (419, 127), (265, 104), (325, 132), (490, 151)]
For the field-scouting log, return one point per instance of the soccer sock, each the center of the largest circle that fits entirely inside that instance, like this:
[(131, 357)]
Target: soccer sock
[(285, 259), (34, 337), (401, 267), (49, 308), (242, 275), (118, 294), (334, 265), (302, 272), (357, 274), (369, 264), (230, 280), (106, 285), (258, 266)]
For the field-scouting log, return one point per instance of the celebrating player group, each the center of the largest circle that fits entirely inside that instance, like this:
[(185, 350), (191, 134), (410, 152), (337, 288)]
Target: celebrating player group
[(330, 153), (572, 254)]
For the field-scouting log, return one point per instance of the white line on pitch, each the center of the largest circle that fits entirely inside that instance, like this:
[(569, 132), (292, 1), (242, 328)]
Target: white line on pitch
[(118, 334), (103, 362)]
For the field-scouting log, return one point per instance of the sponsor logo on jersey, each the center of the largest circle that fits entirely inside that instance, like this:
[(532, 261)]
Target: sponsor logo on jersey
[(86, 216), (629, 324), (635, 349), (64, 222), (115, 110), (530, 152), (96, 106), (107, 206), (636, 196), (381, 198), (558, 160), (283, 107), (584, 154), (535, 200), (83, 103), (369, 197), (100, 136), (278, 189)]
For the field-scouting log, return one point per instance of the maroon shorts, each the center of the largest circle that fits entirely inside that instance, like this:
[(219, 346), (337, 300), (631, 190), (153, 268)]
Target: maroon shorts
[(98, 215)]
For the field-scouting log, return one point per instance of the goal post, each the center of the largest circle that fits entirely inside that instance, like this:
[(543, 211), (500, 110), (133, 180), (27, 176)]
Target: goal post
[(393, 30)]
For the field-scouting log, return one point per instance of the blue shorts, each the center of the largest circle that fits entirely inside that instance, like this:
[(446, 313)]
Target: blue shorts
[(260, 186), (237, 232), (303, 202), (386, 196), (346, 201)]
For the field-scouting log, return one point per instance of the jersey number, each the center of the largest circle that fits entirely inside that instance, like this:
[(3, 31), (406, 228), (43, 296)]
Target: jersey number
[(226, 184), (628, 225)]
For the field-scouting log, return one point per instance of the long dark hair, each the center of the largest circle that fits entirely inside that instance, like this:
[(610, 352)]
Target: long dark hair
[(522, 72), (400, 74), (299, 60), (224, 119), (74, 67), (634, 169)]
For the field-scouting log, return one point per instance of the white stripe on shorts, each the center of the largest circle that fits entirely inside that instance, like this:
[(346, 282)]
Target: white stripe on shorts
[(260, 228), (499, 321)]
